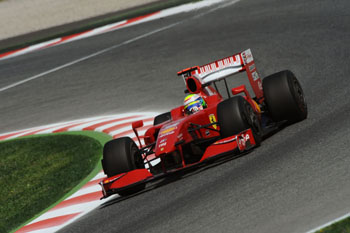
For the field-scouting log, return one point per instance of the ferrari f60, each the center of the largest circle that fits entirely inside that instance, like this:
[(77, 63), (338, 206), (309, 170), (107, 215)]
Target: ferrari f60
[(225, 127)]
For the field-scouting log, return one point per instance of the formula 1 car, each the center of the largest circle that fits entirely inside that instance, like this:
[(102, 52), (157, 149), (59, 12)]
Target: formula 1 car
[(226, 127)]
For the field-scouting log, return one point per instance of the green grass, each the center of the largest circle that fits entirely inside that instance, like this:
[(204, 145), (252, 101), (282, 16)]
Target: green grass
[(342, 226), (39, 171)]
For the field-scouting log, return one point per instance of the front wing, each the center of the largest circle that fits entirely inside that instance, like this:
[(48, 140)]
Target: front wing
[(233, 145)]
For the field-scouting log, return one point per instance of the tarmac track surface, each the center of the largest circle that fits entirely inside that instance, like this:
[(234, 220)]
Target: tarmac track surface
[(297, 180)]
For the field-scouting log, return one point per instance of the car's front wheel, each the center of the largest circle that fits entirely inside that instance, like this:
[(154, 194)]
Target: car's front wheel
[(122, 155)]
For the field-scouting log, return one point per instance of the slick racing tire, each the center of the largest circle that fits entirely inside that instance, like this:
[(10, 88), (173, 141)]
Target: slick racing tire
[(122, 155), (284, 97), (162, 118), (236, 115)]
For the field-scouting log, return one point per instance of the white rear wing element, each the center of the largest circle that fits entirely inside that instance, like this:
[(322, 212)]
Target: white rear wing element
[(225, 67), (219, 69)]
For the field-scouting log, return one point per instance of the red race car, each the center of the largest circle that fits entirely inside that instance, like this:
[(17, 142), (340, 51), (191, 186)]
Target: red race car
[(207, 126)]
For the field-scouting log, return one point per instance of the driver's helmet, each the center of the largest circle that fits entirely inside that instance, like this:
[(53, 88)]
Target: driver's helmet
[(193, 103)]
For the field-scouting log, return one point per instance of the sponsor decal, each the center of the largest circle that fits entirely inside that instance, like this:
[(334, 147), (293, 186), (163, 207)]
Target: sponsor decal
[(168, 129), (166, 134), (165, 131), (252, 67), (247, 57), (162, 143), (212, 119), (255, 76), (207, 132), (260, 85), (232, 61), (242, 141)]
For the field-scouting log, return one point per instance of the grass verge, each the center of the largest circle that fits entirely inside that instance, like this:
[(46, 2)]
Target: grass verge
[(342, 226), (38, 172)]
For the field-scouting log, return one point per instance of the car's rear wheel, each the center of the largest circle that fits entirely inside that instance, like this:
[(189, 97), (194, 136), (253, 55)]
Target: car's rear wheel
[(236, 115), (284, 97), (122, 155), (162, 118)]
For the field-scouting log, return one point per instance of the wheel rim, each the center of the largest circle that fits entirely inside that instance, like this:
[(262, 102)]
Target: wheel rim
[(299, 95), (137, 157), (252, 119)]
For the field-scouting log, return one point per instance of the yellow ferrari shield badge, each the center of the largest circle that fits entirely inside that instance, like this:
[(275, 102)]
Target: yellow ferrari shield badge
[(212, 119)]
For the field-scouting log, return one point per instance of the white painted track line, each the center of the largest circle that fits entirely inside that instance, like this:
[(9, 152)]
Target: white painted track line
[(330, 223), (168, 12)]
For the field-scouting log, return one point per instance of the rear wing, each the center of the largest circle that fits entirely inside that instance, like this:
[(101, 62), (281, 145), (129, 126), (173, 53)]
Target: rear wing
[(225, 67)]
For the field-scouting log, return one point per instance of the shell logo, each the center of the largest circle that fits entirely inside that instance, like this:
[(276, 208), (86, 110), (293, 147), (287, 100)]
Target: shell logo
[(168, 130)]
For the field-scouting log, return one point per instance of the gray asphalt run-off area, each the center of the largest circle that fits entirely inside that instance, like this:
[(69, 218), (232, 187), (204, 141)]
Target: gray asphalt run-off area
[(23, 16), (298, 179)]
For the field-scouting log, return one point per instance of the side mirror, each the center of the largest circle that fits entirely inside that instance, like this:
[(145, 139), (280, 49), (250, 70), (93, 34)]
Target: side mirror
[(137, 124)]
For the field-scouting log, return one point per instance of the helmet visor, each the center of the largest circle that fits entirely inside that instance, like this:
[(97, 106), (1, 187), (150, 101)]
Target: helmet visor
[(194, 106)]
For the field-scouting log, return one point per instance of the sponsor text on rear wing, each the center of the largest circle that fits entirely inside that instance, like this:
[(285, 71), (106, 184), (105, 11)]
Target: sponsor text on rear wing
[(222, 68)]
